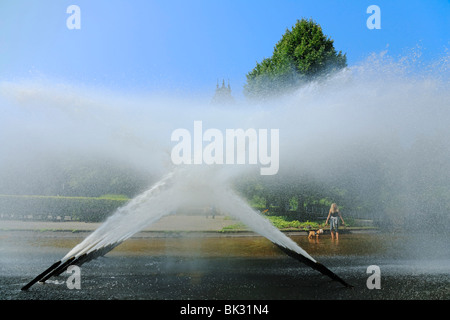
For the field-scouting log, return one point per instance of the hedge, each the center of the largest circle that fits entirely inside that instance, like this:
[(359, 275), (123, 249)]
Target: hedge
[(50, 207)]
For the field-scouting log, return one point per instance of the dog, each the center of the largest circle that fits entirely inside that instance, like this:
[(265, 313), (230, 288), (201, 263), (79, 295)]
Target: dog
[(315, 233)]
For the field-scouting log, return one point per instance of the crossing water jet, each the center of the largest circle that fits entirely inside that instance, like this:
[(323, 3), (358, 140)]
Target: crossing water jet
[(166, 197), (374, 136)]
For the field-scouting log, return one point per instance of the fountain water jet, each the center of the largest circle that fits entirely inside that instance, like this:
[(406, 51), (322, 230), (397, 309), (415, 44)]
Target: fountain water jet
[(376, 131), (164, 198)]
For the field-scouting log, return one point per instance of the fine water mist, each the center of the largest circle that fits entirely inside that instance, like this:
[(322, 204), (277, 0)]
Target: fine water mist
[(378, 130), (177, 190)]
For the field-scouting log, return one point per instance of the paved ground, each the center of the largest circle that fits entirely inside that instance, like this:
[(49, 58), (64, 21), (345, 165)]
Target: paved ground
[(169, 223), (222, 268)]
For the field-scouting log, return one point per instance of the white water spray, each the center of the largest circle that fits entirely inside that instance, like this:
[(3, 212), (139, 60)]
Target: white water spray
[(176, 190), (378, 131)]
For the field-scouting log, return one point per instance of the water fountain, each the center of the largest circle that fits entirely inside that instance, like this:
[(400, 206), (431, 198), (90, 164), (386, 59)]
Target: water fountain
[(171, 193), (378, 130)]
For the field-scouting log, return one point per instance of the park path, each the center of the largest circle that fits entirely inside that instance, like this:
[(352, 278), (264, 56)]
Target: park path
[(195, 223)]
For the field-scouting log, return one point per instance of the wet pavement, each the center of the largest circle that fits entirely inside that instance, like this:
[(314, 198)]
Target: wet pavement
[(213, 266)]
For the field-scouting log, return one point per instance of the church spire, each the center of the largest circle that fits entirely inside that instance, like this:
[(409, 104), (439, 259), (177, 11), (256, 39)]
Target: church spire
[(223, 93)]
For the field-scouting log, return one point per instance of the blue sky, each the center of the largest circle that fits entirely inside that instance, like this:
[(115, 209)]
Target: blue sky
[(185, 46)]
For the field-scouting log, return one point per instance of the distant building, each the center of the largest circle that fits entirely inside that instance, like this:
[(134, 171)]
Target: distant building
[(223, 94)]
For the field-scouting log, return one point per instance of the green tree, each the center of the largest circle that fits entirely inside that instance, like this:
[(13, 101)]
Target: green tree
[(303, 54)]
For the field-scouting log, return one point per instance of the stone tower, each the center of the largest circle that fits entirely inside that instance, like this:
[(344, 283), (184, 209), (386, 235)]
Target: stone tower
[(223, 94)]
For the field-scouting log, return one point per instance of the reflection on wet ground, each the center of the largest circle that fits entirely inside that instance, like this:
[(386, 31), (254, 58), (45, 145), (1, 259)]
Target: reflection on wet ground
[(212, 266)]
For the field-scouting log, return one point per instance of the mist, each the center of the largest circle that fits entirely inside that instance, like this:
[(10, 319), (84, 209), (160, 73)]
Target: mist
[(378, 130)]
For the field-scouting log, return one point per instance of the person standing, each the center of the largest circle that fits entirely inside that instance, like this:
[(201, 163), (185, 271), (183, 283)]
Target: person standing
[(333, 216)]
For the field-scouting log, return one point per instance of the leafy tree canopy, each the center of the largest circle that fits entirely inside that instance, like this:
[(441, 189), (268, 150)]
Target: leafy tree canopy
[(303, 54)]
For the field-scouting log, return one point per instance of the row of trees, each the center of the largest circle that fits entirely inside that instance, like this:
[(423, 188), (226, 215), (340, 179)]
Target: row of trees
[(303, 54), (70, 176), (396, 185), (390, 186)]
